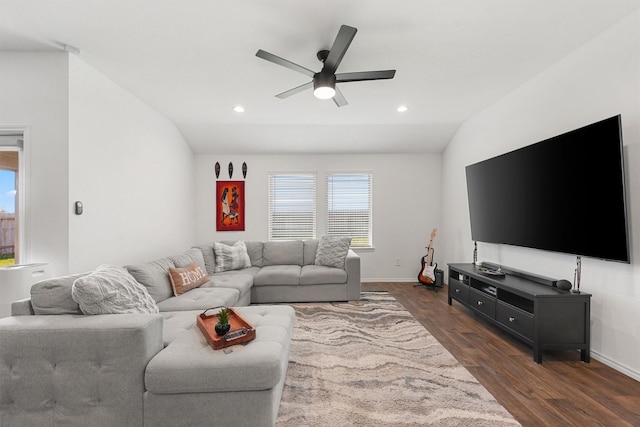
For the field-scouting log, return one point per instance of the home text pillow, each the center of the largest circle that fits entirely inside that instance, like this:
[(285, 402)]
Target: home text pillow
[(186, 278), (111, 290), (231, 257), (332, 251)]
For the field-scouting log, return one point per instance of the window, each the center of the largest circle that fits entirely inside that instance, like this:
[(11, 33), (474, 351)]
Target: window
[(292, 206), (349, 208), (10, 153)]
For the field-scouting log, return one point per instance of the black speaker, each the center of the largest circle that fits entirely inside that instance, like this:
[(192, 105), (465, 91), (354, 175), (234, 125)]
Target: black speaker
[(439, 278), (564, 285)]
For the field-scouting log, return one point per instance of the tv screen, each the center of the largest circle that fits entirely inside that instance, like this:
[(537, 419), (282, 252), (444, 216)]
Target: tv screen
[(564, 194)]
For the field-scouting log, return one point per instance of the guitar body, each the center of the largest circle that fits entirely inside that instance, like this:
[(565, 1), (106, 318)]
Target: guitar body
[(427, 274)]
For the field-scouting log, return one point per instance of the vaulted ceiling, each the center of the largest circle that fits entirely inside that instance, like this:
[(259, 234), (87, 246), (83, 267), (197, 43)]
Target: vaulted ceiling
[(194, 60)]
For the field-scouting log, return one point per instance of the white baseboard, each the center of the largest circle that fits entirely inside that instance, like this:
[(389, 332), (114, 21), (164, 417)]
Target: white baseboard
[(615, 365), (413, 279)]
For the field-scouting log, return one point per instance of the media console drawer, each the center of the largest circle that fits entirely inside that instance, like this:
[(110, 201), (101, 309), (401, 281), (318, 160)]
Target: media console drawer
[(458, 290), (482, 302), (515, 319)]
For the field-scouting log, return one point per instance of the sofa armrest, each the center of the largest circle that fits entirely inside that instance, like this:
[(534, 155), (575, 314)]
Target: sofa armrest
[(22, 307), (352, 267), (74, 369)]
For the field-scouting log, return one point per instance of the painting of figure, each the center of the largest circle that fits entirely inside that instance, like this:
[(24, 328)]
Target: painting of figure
[(230, 205)]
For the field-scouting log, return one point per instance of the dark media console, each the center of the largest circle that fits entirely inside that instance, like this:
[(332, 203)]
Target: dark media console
[(528, 307)]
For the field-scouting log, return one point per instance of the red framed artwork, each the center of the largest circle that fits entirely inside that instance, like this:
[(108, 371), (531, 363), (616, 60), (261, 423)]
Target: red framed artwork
[(230, 205)]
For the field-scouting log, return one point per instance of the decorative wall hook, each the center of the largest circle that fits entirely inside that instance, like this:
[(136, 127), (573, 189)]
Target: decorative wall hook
[(217, 167), (230, 170), (244, 169)]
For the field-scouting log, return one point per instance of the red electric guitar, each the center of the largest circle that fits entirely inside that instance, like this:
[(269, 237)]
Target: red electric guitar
[(427, 272)]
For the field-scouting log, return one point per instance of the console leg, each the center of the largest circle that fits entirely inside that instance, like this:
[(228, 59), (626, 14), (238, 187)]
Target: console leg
[(537, 355), (585, 356)]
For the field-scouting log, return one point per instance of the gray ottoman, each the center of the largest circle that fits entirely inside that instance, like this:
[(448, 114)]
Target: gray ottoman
[(188, 383)]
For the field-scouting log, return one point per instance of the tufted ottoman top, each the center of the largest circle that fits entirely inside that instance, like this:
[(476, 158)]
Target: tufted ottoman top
[(189, 365)]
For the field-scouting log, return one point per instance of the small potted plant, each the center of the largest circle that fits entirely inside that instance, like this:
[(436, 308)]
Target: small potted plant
[(223, 325)]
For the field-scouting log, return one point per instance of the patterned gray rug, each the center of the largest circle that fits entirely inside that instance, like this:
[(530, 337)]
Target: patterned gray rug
[(370, 363)]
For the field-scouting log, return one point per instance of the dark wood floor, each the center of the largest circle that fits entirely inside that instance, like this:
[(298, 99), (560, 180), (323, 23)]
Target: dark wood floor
[(561, 391)]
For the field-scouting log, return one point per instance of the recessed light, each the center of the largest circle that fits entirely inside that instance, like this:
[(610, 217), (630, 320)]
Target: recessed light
[(402, 108), (238, 109)]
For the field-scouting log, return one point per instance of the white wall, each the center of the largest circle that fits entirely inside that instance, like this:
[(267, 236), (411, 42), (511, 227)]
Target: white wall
[(597, 81), (34, 94), (133, 171), (406, 198)]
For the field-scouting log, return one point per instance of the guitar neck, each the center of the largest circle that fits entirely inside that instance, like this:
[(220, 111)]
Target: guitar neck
[(429, 254), (428, 258)]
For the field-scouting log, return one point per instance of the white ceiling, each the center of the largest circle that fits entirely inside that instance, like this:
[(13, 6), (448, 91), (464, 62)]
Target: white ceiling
[(194, 60)]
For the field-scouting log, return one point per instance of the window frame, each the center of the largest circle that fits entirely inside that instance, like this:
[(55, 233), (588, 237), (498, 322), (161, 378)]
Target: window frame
[(22, 255), (270, 208), (330, 194)]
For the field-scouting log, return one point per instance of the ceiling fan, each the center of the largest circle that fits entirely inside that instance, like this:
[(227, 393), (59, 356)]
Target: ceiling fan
[(324, 81)]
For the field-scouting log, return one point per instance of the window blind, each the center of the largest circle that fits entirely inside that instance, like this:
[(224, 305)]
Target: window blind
[(349, 208), (292, 206)]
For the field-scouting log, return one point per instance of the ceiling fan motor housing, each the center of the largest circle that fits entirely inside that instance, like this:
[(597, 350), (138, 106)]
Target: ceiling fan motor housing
[(324, 85), (323, 80)]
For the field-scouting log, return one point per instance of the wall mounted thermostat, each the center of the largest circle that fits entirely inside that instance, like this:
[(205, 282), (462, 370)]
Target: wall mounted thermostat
[(79, 208)]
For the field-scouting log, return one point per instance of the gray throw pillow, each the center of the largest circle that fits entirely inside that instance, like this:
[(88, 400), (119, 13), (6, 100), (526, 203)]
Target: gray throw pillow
[(332, 251), (231, 257), (111, 290)]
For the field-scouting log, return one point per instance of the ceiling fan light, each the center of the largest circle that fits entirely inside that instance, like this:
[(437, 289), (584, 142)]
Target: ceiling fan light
[(324, 86), (324, 92)]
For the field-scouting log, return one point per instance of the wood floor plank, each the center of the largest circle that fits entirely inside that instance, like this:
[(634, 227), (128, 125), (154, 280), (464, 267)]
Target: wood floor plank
[(562, 390)]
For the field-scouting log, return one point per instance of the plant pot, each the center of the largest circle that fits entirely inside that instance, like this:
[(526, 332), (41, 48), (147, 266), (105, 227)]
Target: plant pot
[(222, 329)]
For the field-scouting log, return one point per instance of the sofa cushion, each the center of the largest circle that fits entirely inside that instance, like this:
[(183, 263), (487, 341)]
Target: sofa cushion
[(111, 290), (309, 251), (231, 257), (176, 322), (283, 252), (208, 256), (241, 282), (201, 299), (184, 279), (277, 275), (251, 271), (254, 249), (188, 257), (154, 275), (332, 251), (53, 296), (322, 275)]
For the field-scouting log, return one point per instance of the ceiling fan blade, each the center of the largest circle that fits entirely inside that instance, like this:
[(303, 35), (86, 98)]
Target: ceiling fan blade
[(295, 90), (339, 98), (340, 45), (285, 63), (365, 75)]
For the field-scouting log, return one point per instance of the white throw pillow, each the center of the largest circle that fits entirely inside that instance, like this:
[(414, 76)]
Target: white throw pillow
[(231, 257), (111, 290), (332, 251)]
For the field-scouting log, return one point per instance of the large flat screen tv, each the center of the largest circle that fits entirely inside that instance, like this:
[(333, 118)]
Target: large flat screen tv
[(564, 194)]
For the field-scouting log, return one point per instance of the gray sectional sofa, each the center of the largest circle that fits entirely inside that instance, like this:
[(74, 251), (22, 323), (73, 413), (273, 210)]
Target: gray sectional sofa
[(59, 366)]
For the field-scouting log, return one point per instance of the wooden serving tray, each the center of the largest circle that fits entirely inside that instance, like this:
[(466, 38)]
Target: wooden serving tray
[(241, 331)]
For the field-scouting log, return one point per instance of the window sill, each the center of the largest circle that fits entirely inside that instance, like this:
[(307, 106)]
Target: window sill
[(363, 249)]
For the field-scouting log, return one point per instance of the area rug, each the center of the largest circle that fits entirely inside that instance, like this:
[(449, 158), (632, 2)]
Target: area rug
[(371, 363)]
